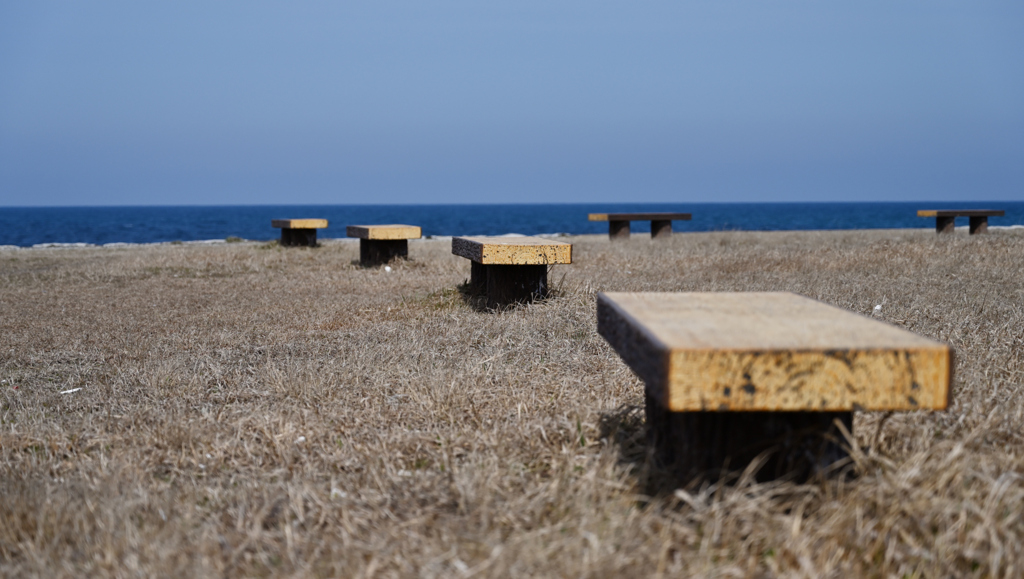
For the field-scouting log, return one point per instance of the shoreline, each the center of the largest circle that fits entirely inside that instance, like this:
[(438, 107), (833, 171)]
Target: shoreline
[(120, 244)]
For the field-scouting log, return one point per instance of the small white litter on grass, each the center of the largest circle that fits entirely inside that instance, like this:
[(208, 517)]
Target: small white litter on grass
[(300, 440), (70, 391), (878, 309), (387, 268)]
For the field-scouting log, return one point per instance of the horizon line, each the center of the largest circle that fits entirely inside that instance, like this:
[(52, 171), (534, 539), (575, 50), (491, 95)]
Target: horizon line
[(496, 204)]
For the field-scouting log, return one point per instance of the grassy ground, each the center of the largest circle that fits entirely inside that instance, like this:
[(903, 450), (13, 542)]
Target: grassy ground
[(249, 410)]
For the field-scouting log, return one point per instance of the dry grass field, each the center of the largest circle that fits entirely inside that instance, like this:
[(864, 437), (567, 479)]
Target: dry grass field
[(246, 410)]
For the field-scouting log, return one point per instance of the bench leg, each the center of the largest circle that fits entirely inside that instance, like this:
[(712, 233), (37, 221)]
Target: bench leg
[(944, 224), (618, 230), (801, 445), (979, 225), (661, 229), (379, 251), (298, 237), (477, 278), (509, 284)]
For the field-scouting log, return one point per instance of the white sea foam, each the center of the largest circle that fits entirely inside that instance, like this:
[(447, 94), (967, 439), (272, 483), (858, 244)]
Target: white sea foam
[(61, 245), (991, 227)]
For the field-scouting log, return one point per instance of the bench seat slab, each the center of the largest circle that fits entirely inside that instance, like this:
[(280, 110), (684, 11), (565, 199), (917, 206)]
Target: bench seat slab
[(639, 216), (386, 232), (771, 352), (512, 250), (299, 223)]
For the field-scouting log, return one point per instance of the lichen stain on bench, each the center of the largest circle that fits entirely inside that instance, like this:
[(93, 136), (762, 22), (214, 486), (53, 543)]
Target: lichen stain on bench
[(815, 381), (512, 250)]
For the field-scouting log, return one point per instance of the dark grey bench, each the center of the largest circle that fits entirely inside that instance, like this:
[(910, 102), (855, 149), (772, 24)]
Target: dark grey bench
[(618, 223), (944, 218)]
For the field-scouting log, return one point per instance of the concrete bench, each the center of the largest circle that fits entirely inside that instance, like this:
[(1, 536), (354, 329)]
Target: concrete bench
[(944, 218), (299, 232), (510, 269), (618, 223), (381, 243), (730, 375)]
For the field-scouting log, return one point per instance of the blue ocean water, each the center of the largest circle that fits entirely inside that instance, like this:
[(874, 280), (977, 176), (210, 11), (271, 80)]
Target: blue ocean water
[(27, 226)]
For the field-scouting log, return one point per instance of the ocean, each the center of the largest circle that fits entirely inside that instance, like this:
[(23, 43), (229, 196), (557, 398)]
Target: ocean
[(28, 226)]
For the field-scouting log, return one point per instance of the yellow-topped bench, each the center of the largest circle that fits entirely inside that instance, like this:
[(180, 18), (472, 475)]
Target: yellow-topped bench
[(618, 223), (730, 375), (510, 269), (299, 232), (945, 218), (381, 243)]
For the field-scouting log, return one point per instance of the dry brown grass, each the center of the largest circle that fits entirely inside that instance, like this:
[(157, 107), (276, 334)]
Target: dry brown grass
[(251, 411)]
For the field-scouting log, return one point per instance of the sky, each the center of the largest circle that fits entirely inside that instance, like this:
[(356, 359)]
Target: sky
[(250, 102)]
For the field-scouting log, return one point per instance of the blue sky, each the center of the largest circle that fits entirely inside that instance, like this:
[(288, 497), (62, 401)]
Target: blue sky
[(139, 103)]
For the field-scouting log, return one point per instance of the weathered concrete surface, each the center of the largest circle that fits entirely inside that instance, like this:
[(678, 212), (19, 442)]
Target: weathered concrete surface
[(512, 250), (299, 223), (772, 351), (384, 232)]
